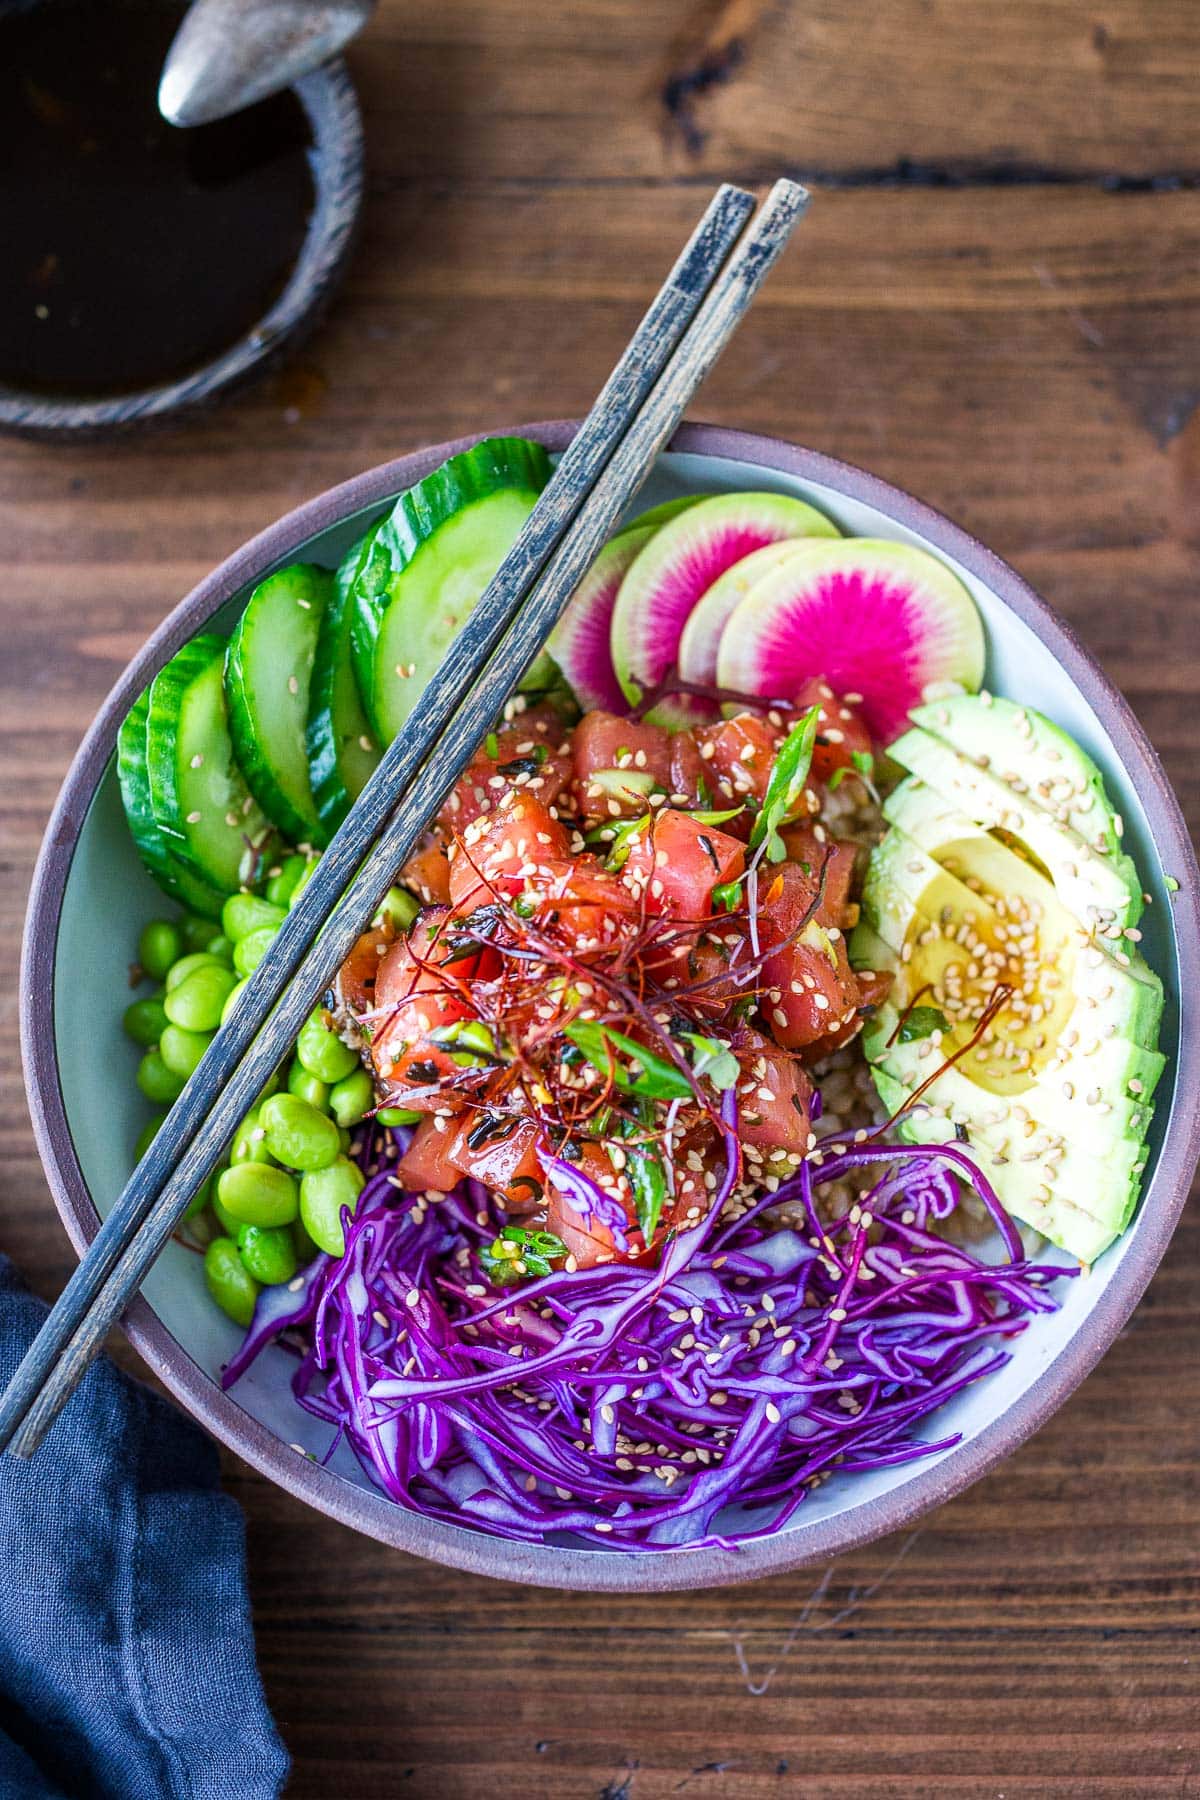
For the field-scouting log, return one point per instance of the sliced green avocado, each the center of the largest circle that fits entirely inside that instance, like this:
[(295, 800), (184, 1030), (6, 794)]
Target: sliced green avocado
[(1103, 891), (1084, 1230), (1031, 755), (1094, 993), (1055, 1095)]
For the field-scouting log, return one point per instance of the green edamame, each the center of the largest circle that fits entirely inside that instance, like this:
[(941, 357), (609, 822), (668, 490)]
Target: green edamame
[(225, 1219), (147, 1135), (229, 1281), (181, 1050), (398, 1115), (259, 1194), (323, 1193), (322, 1051), (268, 1252), (221, 947), (307, 1087), (297, 1134), (244, 913), (352, 1098), (281, 885), (195, 931), (156, 1081), (250, 1141), (144, 1021), (231, 1000), (159, 944), (197, 1002), (302, 880), (249, 951), (399, 907), (187, 965)]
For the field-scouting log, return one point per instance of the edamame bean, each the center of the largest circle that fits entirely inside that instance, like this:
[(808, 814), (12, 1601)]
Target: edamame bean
[(250, 1141), (297, 1134), (305, 1248), (281, 886), (323, 1193), (229, 1281), (244, 913), (181, 1050), (400, 907), (196, 931), (158, 946), (221, 947), (225, 1219), (398, 1115), (156, 1081), (307, 1087), (187, 965), (352, 1098), (322, 1051), (268, 1252), (231, 1000), (305, 876), (249, 951), (197, 1002), (147, 1135), (259, 1194), (144, 1021)]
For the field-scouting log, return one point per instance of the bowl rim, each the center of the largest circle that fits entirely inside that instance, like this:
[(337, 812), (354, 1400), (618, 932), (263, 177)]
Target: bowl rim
[(336, 159), (605, 1570)]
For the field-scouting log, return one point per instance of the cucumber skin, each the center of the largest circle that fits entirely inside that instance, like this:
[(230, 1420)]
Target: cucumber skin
[(173, 877), (248, 749), (190, 661), (331, 793), (491, 466)]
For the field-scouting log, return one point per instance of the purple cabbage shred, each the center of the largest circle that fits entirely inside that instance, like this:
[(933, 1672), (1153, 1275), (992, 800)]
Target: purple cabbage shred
[(694, 1404)]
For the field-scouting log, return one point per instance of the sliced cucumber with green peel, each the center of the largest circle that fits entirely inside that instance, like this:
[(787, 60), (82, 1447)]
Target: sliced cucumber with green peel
[(429, 562), (268, 669), (342, 749), (198, 795), (172, 876)]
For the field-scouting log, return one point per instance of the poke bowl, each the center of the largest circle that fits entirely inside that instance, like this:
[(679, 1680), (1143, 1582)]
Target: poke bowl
[(92, 897)]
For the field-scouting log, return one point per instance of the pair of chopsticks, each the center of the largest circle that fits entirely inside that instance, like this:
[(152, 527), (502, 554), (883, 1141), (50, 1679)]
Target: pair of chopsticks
[(687, 326)]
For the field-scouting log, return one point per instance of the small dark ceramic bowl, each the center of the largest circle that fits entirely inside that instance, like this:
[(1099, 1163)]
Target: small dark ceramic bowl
[(90, 899), (336, 159)]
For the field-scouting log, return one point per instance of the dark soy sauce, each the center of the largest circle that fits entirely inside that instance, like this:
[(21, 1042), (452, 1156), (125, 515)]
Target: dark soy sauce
[(131, 252)]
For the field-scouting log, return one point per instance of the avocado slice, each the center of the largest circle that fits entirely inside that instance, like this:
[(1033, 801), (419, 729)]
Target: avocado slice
[(1056, 1098), (1084, 1230), (1033, 756), (1103, 891)]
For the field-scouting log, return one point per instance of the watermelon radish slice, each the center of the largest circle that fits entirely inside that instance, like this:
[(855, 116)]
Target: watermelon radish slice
[(701, 640), (677, 567), (579, 642), (883, 620)]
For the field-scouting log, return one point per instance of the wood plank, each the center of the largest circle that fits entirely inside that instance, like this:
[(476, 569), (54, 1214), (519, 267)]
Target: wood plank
[(601, 90)]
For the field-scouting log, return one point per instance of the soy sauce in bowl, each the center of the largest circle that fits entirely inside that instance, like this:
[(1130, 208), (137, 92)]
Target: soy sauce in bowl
[(136, 253)]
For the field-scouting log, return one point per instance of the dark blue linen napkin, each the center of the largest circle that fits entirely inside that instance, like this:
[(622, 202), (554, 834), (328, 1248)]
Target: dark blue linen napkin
[(127, 1668)]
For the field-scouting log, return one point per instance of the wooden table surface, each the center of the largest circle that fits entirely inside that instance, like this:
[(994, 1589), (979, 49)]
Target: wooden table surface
[(996, 303)]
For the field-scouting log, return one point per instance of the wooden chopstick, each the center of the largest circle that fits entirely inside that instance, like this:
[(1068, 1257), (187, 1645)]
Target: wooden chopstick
[(161, 1169), (599, 488)]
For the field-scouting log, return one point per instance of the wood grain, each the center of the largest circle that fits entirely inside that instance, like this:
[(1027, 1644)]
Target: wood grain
[(995, 301)]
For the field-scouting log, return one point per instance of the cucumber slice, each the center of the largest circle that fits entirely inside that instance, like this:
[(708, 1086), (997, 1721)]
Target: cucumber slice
[(341, 748), (429, 562), (268, 668), (198, 795), (172, 876)]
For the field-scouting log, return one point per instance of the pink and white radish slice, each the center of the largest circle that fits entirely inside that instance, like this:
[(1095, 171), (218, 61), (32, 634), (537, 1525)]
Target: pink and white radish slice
[(677, 567), (579, 643), (878, 619), (700, 643)]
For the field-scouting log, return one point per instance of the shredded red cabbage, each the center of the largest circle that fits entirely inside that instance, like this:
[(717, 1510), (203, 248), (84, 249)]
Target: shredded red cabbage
[(698, 1403)]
